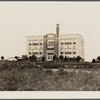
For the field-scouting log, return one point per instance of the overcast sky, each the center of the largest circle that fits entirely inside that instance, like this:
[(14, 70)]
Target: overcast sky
[(21, 19)]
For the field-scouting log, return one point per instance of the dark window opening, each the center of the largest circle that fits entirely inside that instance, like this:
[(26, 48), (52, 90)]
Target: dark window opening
[(40, 52), (61, 52), (50, 53), (29, 43), (74, 42), (68, 43), (67, 52), (40, 43), (50, 48), (29, 52), (74, 52)]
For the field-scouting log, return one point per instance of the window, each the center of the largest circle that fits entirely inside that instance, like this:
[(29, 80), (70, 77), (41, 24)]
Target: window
[(68, 43), (29, 43), (40, 52), (67, 52), (74, 42), (35, 43), (33, 53), (40, 43), (29, 52), (50, 53), (61, 52), (74, 47), (61, 43), (51, 42), (50, 48), (74, 52), (48, 57)]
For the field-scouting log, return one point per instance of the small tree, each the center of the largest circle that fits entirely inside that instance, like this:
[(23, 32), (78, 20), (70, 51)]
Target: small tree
[(43, 58), (98, 58), (61, 71), (93, 61), (16, 57), (61, 57), (2, 57), (33, 58), (30, 58), (24, 57), (78, 58), (54, 57), (65, 59)]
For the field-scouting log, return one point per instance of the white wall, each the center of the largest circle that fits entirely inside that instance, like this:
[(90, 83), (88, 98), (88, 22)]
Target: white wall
[(34, 48), (69, 48)]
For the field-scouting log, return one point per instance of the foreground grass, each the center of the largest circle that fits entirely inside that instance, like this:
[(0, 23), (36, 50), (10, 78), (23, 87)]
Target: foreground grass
[(16, 76)]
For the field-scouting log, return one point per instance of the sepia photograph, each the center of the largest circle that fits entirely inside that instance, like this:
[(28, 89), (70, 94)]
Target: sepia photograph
[(49, 46)]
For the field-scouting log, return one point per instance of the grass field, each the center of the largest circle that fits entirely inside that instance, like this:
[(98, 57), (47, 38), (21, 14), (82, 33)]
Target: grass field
[(23, 76)]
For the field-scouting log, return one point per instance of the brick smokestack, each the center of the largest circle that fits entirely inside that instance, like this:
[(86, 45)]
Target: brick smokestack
[(57, 41), (57, 30)]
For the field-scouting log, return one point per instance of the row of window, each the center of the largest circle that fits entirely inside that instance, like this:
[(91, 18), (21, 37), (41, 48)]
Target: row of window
[(68, 39), (50, 53), (67, 48), (35, 44), (51, 42), (68, 43), (49, 57), (50, 48), (68, 52), (35, 53)]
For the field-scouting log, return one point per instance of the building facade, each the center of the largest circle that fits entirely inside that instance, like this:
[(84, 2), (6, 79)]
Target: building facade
[(69, 45)]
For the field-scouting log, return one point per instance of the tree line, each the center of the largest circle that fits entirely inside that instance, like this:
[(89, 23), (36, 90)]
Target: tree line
[(96, 60), (55, 58)]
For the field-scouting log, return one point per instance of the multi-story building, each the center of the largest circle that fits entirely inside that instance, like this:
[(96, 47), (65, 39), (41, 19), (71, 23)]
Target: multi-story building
[(69, 45)]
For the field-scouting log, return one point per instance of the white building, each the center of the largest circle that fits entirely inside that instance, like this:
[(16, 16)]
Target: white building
[(69, 45), (34, 46)]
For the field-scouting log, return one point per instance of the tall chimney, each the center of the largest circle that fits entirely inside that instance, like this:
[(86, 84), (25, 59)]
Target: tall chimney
[(57, 30)]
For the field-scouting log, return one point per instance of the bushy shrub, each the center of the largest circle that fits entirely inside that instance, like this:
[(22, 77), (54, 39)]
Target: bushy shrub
[(22, 76), (49, 71), (2, 57), (3, 66), (93, 61), (51, 65), (78, 58), (61, 71)]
